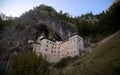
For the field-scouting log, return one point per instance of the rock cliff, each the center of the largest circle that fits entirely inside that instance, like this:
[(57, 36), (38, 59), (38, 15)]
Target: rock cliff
[(42, 20)]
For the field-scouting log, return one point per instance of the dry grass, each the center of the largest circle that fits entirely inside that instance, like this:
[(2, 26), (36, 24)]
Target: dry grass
[(104, 60)]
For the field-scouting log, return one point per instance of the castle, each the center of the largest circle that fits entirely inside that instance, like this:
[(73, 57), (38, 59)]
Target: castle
[(54, 51)]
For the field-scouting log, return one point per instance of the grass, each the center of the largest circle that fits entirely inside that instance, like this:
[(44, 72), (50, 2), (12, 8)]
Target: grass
[(104, 60)]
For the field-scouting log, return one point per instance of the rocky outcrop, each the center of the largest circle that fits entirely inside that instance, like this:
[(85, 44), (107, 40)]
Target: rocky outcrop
[(42, 20)]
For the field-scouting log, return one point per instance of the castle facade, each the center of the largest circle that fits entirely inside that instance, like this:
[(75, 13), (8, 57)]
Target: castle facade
[(55, 51)]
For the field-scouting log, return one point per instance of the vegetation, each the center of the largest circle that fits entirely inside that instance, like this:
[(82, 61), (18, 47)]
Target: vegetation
[(89, 25), (95, 26), (65, 61), (29, 64), (104, 60), (107, 20), (3, 24)]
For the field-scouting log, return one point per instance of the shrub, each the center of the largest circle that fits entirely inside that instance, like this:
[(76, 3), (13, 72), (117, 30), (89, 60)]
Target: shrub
[(29, 64)]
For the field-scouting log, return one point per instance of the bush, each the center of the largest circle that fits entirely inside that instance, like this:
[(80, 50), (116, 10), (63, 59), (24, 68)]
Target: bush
[(65, 61), (29, 64)]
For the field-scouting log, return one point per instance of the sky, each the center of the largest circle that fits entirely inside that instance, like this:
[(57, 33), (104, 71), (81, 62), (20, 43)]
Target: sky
[(15, 8)]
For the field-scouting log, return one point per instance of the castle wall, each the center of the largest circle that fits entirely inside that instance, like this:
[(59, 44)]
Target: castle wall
[(54, 51)]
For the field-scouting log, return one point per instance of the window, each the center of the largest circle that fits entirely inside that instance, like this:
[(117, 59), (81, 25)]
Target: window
[(46, 50), (52, 47), (71, 52), (46, 45), (79, 40), (47, 42), (51, 51), (58, 51), (74, 51), (54, 51), (59, 48)]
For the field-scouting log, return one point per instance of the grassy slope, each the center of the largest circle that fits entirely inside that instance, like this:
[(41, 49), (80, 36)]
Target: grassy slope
[(104, 60)]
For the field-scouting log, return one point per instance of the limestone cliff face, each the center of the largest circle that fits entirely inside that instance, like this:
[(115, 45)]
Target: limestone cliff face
[(42, 20)]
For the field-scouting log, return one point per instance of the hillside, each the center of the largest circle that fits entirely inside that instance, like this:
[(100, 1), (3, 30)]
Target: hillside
[(41, 21), (58, 26), (104, 60)]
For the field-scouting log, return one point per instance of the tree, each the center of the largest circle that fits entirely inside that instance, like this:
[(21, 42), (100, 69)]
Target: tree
[(29, 64)]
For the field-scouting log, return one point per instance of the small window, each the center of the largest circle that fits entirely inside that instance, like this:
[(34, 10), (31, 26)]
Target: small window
[(46, 45), (47, 41), (51, 51), (71, 52), (52, 47), (46, 50), (54, 51), (74, 51), (58, 51)]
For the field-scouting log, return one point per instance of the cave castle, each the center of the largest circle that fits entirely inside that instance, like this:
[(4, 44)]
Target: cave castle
[(54, 51)]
